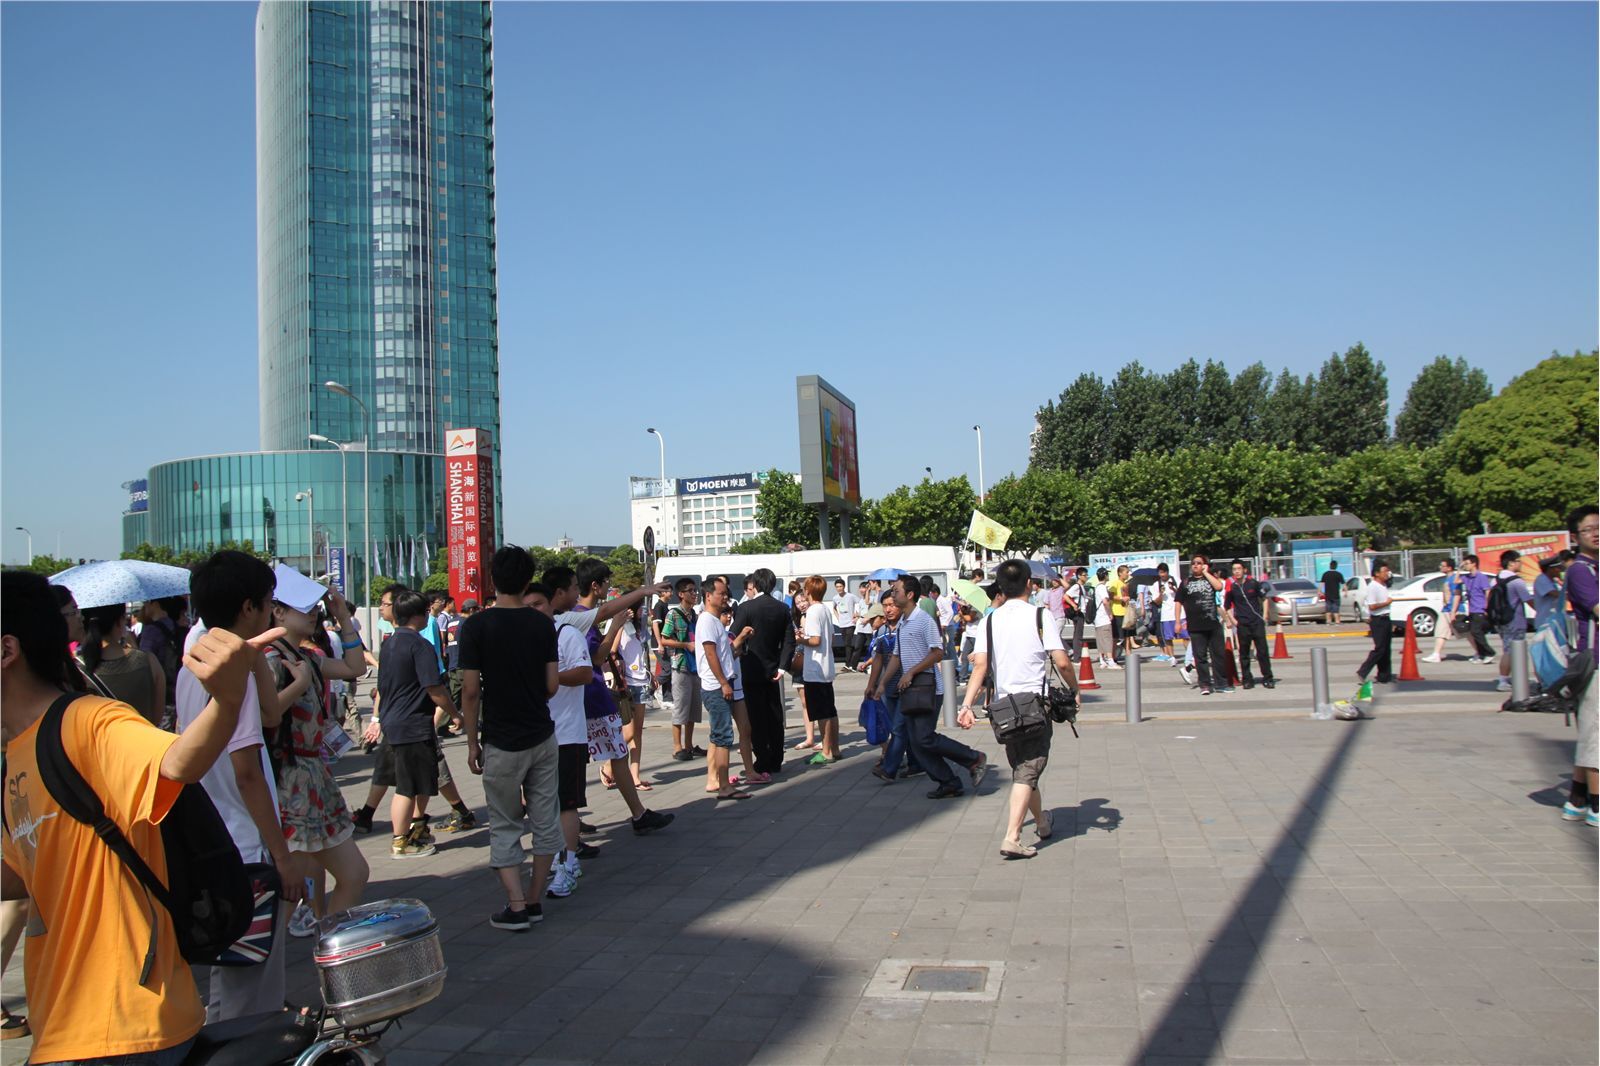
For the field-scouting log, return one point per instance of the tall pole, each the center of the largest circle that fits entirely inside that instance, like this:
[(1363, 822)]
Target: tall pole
[(979, 430), (22, 529), (366, 486), (344, 503), (663, 483), (311, 531)]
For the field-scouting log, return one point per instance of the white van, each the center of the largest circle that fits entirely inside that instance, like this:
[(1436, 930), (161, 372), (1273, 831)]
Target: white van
[(851, 564)]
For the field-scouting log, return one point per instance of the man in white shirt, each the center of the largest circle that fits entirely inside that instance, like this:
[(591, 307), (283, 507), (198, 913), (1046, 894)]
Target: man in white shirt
[(233, 591), (1021, 649), (719, 686), (844, 621), (1378, 601)]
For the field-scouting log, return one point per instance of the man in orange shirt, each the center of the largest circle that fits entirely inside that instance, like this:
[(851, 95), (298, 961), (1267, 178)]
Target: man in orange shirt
[(90, 925)]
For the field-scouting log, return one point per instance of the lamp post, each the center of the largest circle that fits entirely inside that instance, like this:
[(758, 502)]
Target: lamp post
[(344, 501), (311, 531), (979, 431), (23, 529), (929, 471), (663, 442), (366, 487)]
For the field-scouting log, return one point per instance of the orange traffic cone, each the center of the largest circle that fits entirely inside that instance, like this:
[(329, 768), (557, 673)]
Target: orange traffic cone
[(1408, 658), (1086, 674), (1233, 662), (1280, 646)]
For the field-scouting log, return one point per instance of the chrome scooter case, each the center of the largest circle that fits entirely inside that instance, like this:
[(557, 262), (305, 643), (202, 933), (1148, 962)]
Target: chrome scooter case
[(379, 961)]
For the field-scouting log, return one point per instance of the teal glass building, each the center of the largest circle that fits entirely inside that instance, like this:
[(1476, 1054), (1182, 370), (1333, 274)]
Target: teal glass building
[(376, 269)]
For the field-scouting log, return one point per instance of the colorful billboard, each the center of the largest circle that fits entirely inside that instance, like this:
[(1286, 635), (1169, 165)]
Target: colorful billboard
[(1489, 546), (469, 512), (830, 471)]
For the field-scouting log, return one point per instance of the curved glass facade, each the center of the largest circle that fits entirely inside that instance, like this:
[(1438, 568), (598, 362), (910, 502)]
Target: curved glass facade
[(207, 500)]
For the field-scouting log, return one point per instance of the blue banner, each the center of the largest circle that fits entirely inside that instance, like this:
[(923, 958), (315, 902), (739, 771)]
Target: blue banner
[(336, 569)]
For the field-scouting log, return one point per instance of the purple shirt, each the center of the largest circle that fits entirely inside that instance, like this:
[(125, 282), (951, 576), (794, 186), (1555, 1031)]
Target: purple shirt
[(1476, 589), (1583, 589)]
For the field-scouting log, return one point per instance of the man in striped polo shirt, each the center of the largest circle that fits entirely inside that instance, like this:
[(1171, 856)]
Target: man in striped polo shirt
[(918, 650)]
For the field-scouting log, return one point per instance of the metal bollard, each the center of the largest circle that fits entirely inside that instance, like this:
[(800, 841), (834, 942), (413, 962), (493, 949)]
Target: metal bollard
[(1519, 668), (947, 672), (1135, 696), (1294, 614), (1321, 704)]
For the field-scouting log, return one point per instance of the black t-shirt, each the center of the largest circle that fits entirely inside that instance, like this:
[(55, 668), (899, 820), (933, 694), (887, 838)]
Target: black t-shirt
[(659, 612), (1245, 600), (1332, 586), (510, 648), (1199, 601), (407, 668)]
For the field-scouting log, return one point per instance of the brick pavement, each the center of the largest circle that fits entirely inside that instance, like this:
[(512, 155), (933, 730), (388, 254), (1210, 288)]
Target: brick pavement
[(1279, 890)]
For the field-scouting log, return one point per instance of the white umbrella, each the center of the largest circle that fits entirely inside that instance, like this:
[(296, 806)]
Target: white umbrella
[(122, 581)]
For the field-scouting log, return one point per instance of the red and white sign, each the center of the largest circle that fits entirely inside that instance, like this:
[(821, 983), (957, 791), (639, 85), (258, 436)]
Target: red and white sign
[(469, 512), (1488, 547)]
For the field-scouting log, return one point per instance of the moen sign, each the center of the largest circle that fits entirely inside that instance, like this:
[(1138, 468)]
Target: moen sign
[(703, 486), (469, 512)]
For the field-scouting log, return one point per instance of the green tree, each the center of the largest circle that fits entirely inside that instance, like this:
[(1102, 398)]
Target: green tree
[(1139, 417), (1073, 429), (763, 543), (1352, 402), (1436, 400), (435, 582), (1288, 416), (45, 565), (627, 573), (380, 585), (930, 512), (782, 512), (1523, 459), (1394, 490), (1217, 418), (1252, 390), (1046, 509)]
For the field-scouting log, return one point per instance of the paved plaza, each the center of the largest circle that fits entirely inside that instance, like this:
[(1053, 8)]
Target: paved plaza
[(1229, 882)]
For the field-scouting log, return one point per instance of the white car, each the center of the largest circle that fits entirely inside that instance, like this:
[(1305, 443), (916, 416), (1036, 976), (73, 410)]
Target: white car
[(1419, 598)]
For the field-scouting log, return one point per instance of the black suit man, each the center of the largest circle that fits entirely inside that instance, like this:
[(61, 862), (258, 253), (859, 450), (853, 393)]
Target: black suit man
[(766, 653)]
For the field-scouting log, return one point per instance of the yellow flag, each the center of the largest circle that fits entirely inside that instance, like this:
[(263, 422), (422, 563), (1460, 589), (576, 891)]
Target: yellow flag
[(987, 532)]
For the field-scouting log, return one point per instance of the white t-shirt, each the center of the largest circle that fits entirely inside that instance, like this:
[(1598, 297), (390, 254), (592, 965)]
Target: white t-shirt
[(709, 629), (1022, 656), (1169, 601), (844, 610), (219, 781), (566, 706), (581, 620), (819, 660), (1102, 605), (1377, 593), (947, 609), (631, 649)]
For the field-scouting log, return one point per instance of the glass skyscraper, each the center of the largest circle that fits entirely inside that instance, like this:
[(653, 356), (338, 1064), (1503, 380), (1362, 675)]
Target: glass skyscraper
[(376, 244)]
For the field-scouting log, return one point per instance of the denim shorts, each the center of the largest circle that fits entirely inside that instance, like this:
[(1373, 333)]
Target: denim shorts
[(720, 711)]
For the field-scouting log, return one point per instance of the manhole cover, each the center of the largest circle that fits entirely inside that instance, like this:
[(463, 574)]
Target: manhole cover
[(946, 979)]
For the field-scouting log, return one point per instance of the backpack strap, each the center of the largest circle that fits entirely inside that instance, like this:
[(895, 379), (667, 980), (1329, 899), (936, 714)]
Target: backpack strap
[(994, 662), (74, 796)]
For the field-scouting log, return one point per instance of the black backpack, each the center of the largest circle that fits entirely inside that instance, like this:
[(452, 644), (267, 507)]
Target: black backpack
[(1086, 600), (208, 892), (1498, 609)]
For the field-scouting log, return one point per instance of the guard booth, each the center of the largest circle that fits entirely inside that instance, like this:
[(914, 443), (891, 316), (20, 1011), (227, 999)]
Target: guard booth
[(1305, 546)]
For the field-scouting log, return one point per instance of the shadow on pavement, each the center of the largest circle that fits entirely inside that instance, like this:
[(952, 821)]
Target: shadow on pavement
[(1218, 976)]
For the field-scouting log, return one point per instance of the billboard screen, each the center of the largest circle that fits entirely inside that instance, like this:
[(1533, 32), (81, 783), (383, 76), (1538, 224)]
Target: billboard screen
[(138, 495), (830, 470)]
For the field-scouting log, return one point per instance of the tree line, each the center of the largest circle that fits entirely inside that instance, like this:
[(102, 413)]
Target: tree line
[(1195, 458)]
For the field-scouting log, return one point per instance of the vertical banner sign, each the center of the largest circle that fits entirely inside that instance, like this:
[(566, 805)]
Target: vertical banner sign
[(469, 512), (335, 568)]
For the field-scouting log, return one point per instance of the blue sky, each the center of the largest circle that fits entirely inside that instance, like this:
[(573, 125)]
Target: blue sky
[(949, 211)]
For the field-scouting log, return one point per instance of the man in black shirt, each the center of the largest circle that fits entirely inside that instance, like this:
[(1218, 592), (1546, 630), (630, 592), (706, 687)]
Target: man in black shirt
[(1332, 590), (409, 679), (514, 648), (769, 648), (1244, 600), (1198, 595)]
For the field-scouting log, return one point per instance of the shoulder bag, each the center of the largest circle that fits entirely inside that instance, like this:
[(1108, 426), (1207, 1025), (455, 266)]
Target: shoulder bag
[(1019, 716)]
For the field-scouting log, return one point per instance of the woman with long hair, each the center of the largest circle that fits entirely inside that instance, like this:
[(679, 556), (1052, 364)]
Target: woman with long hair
[(798, 611), (816, 636), (316, 821), (126, 673)]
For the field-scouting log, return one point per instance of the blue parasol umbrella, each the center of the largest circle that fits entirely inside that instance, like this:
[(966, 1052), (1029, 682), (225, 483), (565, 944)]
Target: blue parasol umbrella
[(122, 581), (887, 573)]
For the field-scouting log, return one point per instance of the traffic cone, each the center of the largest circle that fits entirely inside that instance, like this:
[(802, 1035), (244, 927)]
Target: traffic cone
[(1086, 674), (1280, 646), (1233, 663), (1408, 658)]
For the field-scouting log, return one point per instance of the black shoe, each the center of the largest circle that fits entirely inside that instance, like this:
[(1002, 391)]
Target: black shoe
[(517, 921), (883, 775), (458, 822), (946, 792), (699, 752), (648, 822), (585, 827), (682, 755), (1386, 680), (586, 851), (362, 823), (1269, 683), (1248, 685)]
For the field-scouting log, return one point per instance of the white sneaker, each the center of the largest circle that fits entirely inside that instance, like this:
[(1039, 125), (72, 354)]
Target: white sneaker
[(1502, 684), (1477, 659), (302, 922), (562, 884), (1432, 659), (572, 866)]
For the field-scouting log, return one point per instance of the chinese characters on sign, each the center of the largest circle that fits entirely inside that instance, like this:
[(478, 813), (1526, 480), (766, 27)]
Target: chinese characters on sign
[(469, 512)]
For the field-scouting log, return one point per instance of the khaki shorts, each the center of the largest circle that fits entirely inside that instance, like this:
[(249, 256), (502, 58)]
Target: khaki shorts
[(1028, 758)]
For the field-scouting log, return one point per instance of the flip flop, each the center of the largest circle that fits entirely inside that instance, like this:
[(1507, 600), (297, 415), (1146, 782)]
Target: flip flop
[(610, 783), (14, 1027), (805, 745), (643, 786), (736, 794)]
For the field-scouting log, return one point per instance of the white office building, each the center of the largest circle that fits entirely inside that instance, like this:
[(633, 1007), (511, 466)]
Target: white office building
[(701, 516)]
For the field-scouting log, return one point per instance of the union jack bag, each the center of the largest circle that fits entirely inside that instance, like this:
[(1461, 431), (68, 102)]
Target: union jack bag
[(266, 889)]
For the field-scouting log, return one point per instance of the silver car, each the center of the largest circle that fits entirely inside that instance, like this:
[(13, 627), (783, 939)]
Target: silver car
[(1289, 597)]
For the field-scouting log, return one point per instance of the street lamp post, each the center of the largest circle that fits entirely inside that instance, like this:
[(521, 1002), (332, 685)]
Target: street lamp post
[(979, 430), (23, 529), (366, 486), (311, 530), (662, 441), (344, 502)]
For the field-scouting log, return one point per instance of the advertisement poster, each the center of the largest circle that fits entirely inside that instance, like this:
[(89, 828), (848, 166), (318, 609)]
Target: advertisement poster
[(1134, 561), (840, 475), (335, 569), (469, 512), (1488, 546)]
